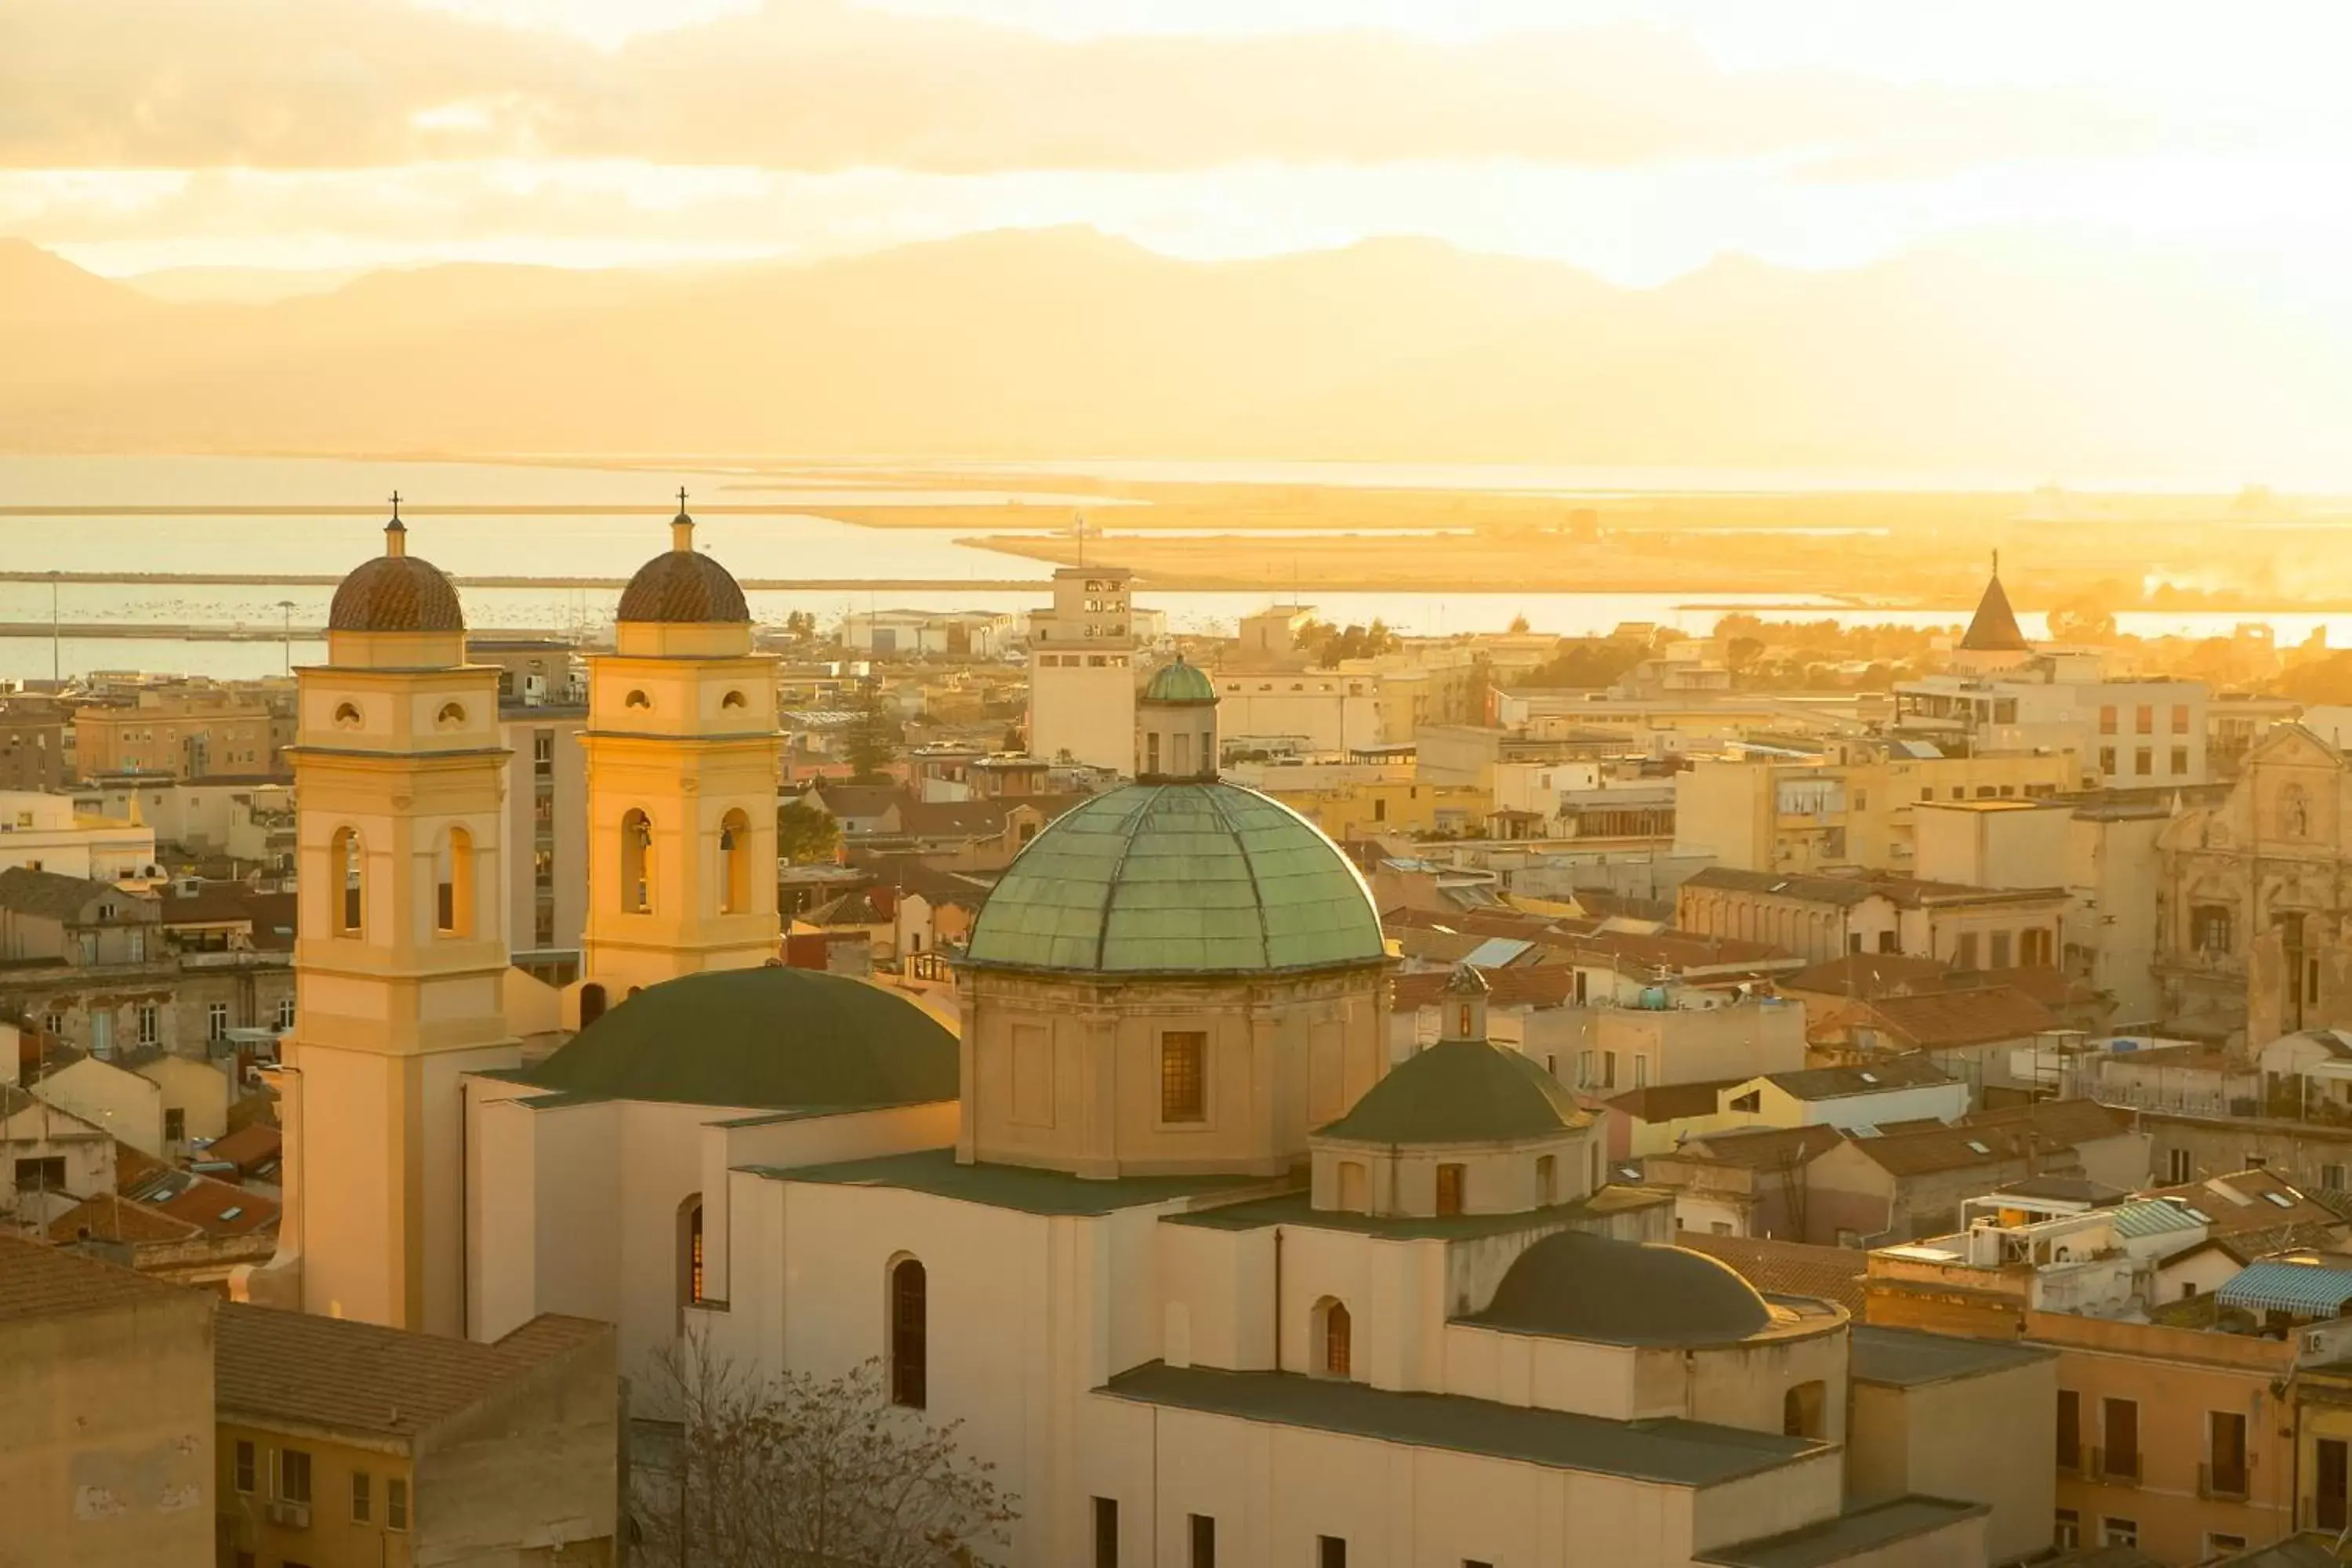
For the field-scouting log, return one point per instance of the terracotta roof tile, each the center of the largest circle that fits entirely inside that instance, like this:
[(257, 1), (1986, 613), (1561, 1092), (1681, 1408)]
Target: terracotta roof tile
[(110, 1216), (1943, 1020), (1538, 986), (38, 1282), (340, 1375), (1788, 1267)]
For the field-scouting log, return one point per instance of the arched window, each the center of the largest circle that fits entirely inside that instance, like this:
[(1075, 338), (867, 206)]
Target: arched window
[(347, 716), (452, 716), (1333, 1349), (734, 863), (347, 861), (689, 1252), (909, 1351), (592, 1003), (452, 885), (636, 864), (732, 699), (637, 699)]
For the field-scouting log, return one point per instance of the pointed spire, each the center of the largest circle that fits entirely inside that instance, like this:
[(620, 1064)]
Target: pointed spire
[(395, 533), (1993, 628), (681, 527)]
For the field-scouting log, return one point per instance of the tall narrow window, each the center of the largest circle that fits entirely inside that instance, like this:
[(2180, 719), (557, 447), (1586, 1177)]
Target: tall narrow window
[(908, 1353), (1547, 1179), (347, 859), (1105, 1532), (689, 1252), (1336, 1330), (453, 902), (1352, 1193), (592, 1003), (1183, 1075), (1450, 1182), (1802, 1409), (734, 863), (636, 864), (2070, 1430), (2120, 1428), (1204, 1541), (1331, 1551)]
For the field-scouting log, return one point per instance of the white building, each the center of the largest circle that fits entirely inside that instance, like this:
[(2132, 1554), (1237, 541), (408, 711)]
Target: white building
[(46, 833)]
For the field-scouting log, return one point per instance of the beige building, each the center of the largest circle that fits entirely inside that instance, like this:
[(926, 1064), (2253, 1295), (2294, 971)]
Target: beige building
[(681, 784), (1859, 806), (1082, 676), (343, 1445), (1822, 918), (2252, 919), (106, 1395), (191, 733), (1958, 1417), (546, 881)]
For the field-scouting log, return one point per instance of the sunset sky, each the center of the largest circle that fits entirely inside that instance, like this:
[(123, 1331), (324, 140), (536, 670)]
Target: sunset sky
[(1637, 140)]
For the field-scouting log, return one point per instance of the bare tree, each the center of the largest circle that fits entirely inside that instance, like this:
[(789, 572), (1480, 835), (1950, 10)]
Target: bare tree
[(797, 1471)]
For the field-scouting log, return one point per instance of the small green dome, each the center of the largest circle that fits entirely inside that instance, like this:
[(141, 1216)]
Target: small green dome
[(1178, 682), (1178, 878), (771, 1039), (1461, 1092)]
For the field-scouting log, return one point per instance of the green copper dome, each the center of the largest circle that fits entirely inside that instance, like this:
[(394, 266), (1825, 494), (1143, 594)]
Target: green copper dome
[(1178, 682), (1461, 1092), (1178, 878)]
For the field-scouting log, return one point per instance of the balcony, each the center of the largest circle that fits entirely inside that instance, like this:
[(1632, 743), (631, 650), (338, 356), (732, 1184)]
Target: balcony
[(2115, 1469), (2221, 1483)]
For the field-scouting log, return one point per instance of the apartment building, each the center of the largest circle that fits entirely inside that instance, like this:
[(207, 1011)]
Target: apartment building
[(1821, 918), (193, 731)]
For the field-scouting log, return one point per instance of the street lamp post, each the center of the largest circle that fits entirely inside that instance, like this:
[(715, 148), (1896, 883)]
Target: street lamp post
[(285, 633)]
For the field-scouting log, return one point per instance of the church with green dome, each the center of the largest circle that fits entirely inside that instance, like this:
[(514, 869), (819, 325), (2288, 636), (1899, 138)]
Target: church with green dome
[(1198, 951)]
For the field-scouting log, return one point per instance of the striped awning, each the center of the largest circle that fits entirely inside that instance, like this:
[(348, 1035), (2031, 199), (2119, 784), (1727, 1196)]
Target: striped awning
[(2279, 1285)]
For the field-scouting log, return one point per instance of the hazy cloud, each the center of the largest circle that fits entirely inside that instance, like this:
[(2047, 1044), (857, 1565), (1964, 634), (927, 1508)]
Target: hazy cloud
[(822, 85)]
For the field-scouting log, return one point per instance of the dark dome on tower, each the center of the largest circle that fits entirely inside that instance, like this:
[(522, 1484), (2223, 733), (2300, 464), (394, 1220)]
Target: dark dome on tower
[(396, 592), (1585, 1286), (683, 586)]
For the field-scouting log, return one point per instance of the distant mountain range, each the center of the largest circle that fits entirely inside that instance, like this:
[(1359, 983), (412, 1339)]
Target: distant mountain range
[(1063, 343)]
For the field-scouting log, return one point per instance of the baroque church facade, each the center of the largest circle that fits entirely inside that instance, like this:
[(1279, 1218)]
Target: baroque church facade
[(1204, 1273)]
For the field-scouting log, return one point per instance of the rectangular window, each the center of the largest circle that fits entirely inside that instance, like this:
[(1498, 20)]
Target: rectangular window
[(359, 1496), (2070, 1430), (1609, 1069), (2225, 1443), (1449, 1189), (2331, 1178), (2143, 762), (148, 1017), (2144, 720), (2176, 1166), (2329, 1502), (2180, 718), (542, 752), (286, 1012), (1964, 950), (2108, 718), (1184, 1075), (176, 1125), (2179, 760), (217, 1021), (2113, 1531), (1204, 1541), (293, 1475), (243, 1470), (2068, 1533), (1331, 1551), (2000, 940), (2108, 760), (395, 1504), (47, 1174), (2119, 1424), (1641, 1072), (1105, 1532)]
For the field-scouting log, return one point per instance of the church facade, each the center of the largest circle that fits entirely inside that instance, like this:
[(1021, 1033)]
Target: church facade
[(1205, 1273)]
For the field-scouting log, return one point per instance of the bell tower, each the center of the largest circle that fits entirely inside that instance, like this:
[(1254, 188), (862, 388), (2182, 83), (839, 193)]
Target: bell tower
[(400, 953), (682, 774)]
